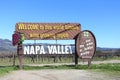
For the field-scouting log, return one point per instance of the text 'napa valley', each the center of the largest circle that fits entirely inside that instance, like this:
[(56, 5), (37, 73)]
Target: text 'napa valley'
[(50, 49)]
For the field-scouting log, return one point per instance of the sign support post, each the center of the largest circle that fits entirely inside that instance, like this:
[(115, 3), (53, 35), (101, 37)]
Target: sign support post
[(89, 62), (76, 55), (20, 54)]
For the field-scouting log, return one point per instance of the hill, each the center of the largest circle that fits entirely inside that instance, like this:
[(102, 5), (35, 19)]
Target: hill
[(6, 46)]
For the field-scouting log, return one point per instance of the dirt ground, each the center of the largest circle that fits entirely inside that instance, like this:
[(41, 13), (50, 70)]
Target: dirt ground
[(51, 74), (58, 75)]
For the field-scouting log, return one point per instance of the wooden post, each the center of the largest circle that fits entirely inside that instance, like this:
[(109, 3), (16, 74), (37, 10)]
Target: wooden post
[(20, 54), (13, 59), (76, 60), (20, 62), (89, 62), (76, 56)]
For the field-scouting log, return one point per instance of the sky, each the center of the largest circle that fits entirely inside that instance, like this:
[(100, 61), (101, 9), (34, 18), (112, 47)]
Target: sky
[(102, 17)]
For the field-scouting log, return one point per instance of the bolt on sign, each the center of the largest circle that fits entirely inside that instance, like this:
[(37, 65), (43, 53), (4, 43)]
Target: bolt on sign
[(51, 31), (86, 44)]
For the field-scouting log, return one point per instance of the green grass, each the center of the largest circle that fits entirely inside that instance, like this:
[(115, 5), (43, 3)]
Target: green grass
[(6, 69), (106, 67)]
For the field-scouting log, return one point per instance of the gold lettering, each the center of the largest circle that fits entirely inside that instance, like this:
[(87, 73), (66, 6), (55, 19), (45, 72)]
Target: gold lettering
[(48, 27), (41, 27), (68, 27), (71, 27), (75, 28), (32, 27), (58, 27), (28, 26), (62, 35), (21, 26), (46, 35), (34, 35)]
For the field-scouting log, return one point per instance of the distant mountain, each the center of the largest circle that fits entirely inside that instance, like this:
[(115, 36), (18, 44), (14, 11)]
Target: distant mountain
[(6, 46), (106, 49)]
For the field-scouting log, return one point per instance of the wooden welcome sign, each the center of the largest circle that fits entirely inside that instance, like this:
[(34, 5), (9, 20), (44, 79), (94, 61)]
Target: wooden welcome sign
[(85, 42)]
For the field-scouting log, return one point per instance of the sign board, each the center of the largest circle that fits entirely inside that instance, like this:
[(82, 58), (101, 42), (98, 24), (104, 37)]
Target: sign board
[(86, 44), (51, 31)]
